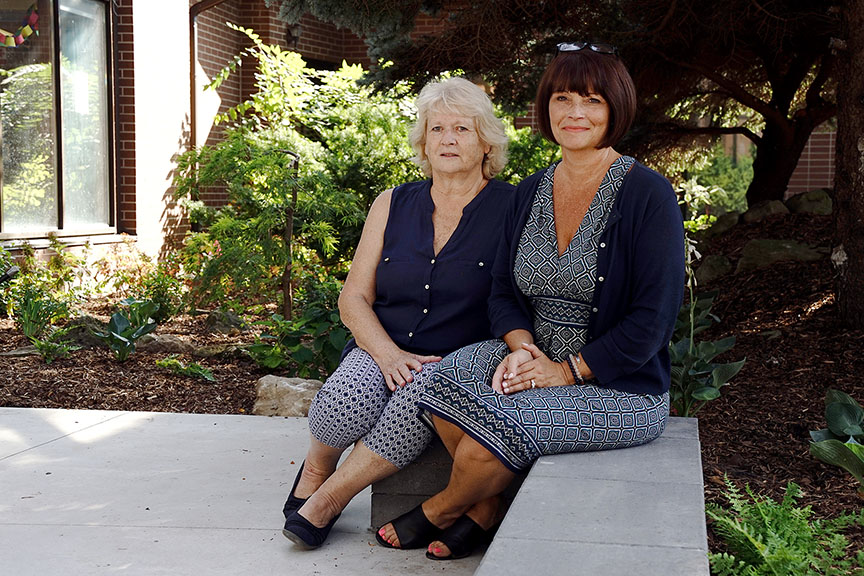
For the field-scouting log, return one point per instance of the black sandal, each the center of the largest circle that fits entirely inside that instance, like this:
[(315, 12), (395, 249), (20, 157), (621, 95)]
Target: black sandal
[(413, 529), (462, 538)]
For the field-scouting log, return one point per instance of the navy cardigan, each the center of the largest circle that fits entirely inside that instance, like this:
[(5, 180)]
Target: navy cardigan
[(639, 284)]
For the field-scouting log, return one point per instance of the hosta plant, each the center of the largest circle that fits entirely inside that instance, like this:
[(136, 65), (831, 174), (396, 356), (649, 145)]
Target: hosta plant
[(696, 378), (840, 444), (127, 326)]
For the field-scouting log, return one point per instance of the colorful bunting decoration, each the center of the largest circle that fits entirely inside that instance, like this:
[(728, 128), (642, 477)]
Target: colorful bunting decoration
[(27, 29)]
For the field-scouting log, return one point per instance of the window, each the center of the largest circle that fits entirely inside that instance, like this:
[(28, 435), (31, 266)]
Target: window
[(55, 159)]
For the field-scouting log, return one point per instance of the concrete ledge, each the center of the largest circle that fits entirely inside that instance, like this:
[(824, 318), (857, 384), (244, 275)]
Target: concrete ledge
[(635, 511), (618, 512)]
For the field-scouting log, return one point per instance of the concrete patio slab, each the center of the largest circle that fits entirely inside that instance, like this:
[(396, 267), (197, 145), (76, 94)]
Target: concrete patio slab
[(138, 493)]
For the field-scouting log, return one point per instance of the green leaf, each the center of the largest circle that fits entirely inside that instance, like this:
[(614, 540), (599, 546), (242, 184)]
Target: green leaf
[(843, 418), (707, 351), (836, 396), (118, 323), (722, 373), (824, 434), (338, 338), (303, 355), (839, 454), (706, 393)]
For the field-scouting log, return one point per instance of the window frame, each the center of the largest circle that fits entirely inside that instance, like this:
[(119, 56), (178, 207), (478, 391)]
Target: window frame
[(81, 234)]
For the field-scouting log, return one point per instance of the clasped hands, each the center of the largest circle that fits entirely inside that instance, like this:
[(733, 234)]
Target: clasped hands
[(522, 367)]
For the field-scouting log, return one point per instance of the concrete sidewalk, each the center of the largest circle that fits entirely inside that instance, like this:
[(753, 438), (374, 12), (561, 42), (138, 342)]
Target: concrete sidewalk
[(93, 492)]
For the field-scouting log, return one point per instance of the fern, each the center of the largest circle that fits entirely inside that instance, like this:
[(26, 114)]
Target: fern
[(764, 537)]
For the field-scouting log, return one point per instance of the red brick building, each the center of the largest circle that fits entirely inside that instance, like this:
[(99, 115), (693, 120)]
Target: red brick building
[(100, 96)]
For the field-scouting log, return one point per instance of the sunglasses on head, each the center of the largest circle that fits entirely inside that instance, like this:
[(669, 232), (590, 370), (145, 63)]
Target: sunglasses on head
[(577, 46)]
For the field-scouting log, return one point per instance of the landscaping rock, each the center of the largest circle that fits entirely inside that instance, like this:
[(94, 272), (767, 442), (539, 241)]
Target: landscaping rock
[(713, 266), (225, 321), (762, 210), (81, 332), (813, 202), (277, 396), (724, 223), (164, 344), (23, 351), (217, 350), (764, 252)]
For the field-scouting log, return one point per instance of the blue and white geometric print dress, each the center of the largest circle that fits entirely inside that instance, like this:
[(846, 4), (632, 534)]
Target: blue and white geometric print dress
[(520, 427)]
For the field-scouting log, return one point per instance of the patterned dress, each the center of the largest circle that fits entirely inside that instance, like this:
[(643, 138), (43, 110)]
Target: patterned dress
[(519, 428)]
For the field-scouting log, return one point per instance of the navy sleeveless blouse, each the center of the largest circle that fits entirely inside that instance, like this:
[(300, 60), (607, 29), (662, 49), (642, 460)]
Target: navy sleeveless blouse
[(434, 304)]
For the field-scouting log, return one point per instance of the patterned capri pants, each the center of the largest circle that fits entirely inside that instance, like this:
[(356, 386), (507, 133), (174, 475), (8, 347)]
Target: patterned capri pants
[(521, 427), (355, 404)]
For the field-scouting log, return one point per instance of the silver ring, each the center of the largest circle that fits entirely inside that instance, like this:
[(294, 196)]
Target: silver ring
[(533, 384)]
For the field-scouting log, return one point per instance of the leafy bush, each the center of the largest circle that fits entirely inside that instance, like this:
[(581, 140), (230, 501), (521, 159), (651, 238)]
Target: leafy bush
[(763, 537), (696, 379), (123, 269), (163, 287), (350, 143), (191, 369), (529, 152), (311, 344), (126, 327), (841, 443), (728, 178)]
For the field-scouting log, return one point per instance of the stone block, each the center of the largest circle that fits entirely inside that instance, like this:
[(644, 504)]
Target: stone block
[(277, 396), (763, 252), (762, 210), (713, 266), (812, 202)]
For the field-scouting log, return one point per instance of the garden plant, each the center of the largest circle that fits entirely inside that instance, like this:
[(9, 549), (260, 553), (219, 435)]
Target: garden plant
[(842, 442)]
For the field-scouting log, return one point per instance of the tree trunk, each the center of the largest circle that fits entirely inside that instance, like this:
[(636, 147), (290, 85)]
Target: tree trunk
[(777, 155), (848, 251)]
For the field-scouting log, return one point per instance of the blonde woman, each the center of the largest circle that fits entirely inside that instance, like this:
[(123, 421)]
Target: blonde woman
[(416, 291)]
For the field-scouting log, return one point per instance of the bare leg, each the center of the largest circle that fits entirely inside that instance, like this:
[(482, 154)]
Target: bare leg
[(450, 434), (321, 461), (475, 482), (360, 469)]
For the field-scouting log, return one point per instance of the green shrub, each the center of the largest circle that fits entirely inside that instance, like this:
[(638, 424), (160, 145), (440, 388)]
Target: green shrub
[(123, 269), (163, 287), (729, 179), (763, 537), (529, 152), (310, 345)]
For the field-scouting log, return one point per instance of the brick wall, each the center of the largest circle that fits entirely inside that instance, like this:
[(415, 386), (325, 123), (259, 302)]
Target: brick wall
[(124, 116), (816, 167)]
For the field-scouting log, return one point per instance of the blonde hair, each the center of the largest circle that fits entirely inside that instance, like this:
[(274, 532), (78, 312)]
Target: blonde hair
[(462, 97)]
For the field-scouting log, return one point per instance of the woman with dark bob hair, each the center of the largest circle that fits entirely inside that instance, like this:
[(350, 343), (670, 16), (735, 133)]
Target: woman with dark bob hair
[(586, 288), (417, 290)]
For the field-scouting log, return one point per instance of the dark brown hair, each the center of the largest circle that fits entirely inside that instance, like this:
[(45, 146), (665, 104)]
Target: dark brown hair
[(588, 71)]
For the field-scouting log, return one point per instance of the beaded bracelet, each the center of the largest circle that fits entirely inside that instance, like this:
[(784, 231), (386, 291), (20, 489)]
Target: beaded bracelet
[(574, 369), (577, 363)]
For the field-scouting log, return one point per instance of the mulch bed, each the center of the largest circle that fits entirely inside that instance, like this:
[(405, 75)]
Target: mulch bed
[(784, 318)]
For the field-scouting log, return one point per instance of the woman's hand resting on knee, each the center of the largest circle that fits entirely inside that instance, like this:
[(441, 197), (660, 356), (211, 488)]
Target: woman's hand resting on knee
[(396, 365)]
